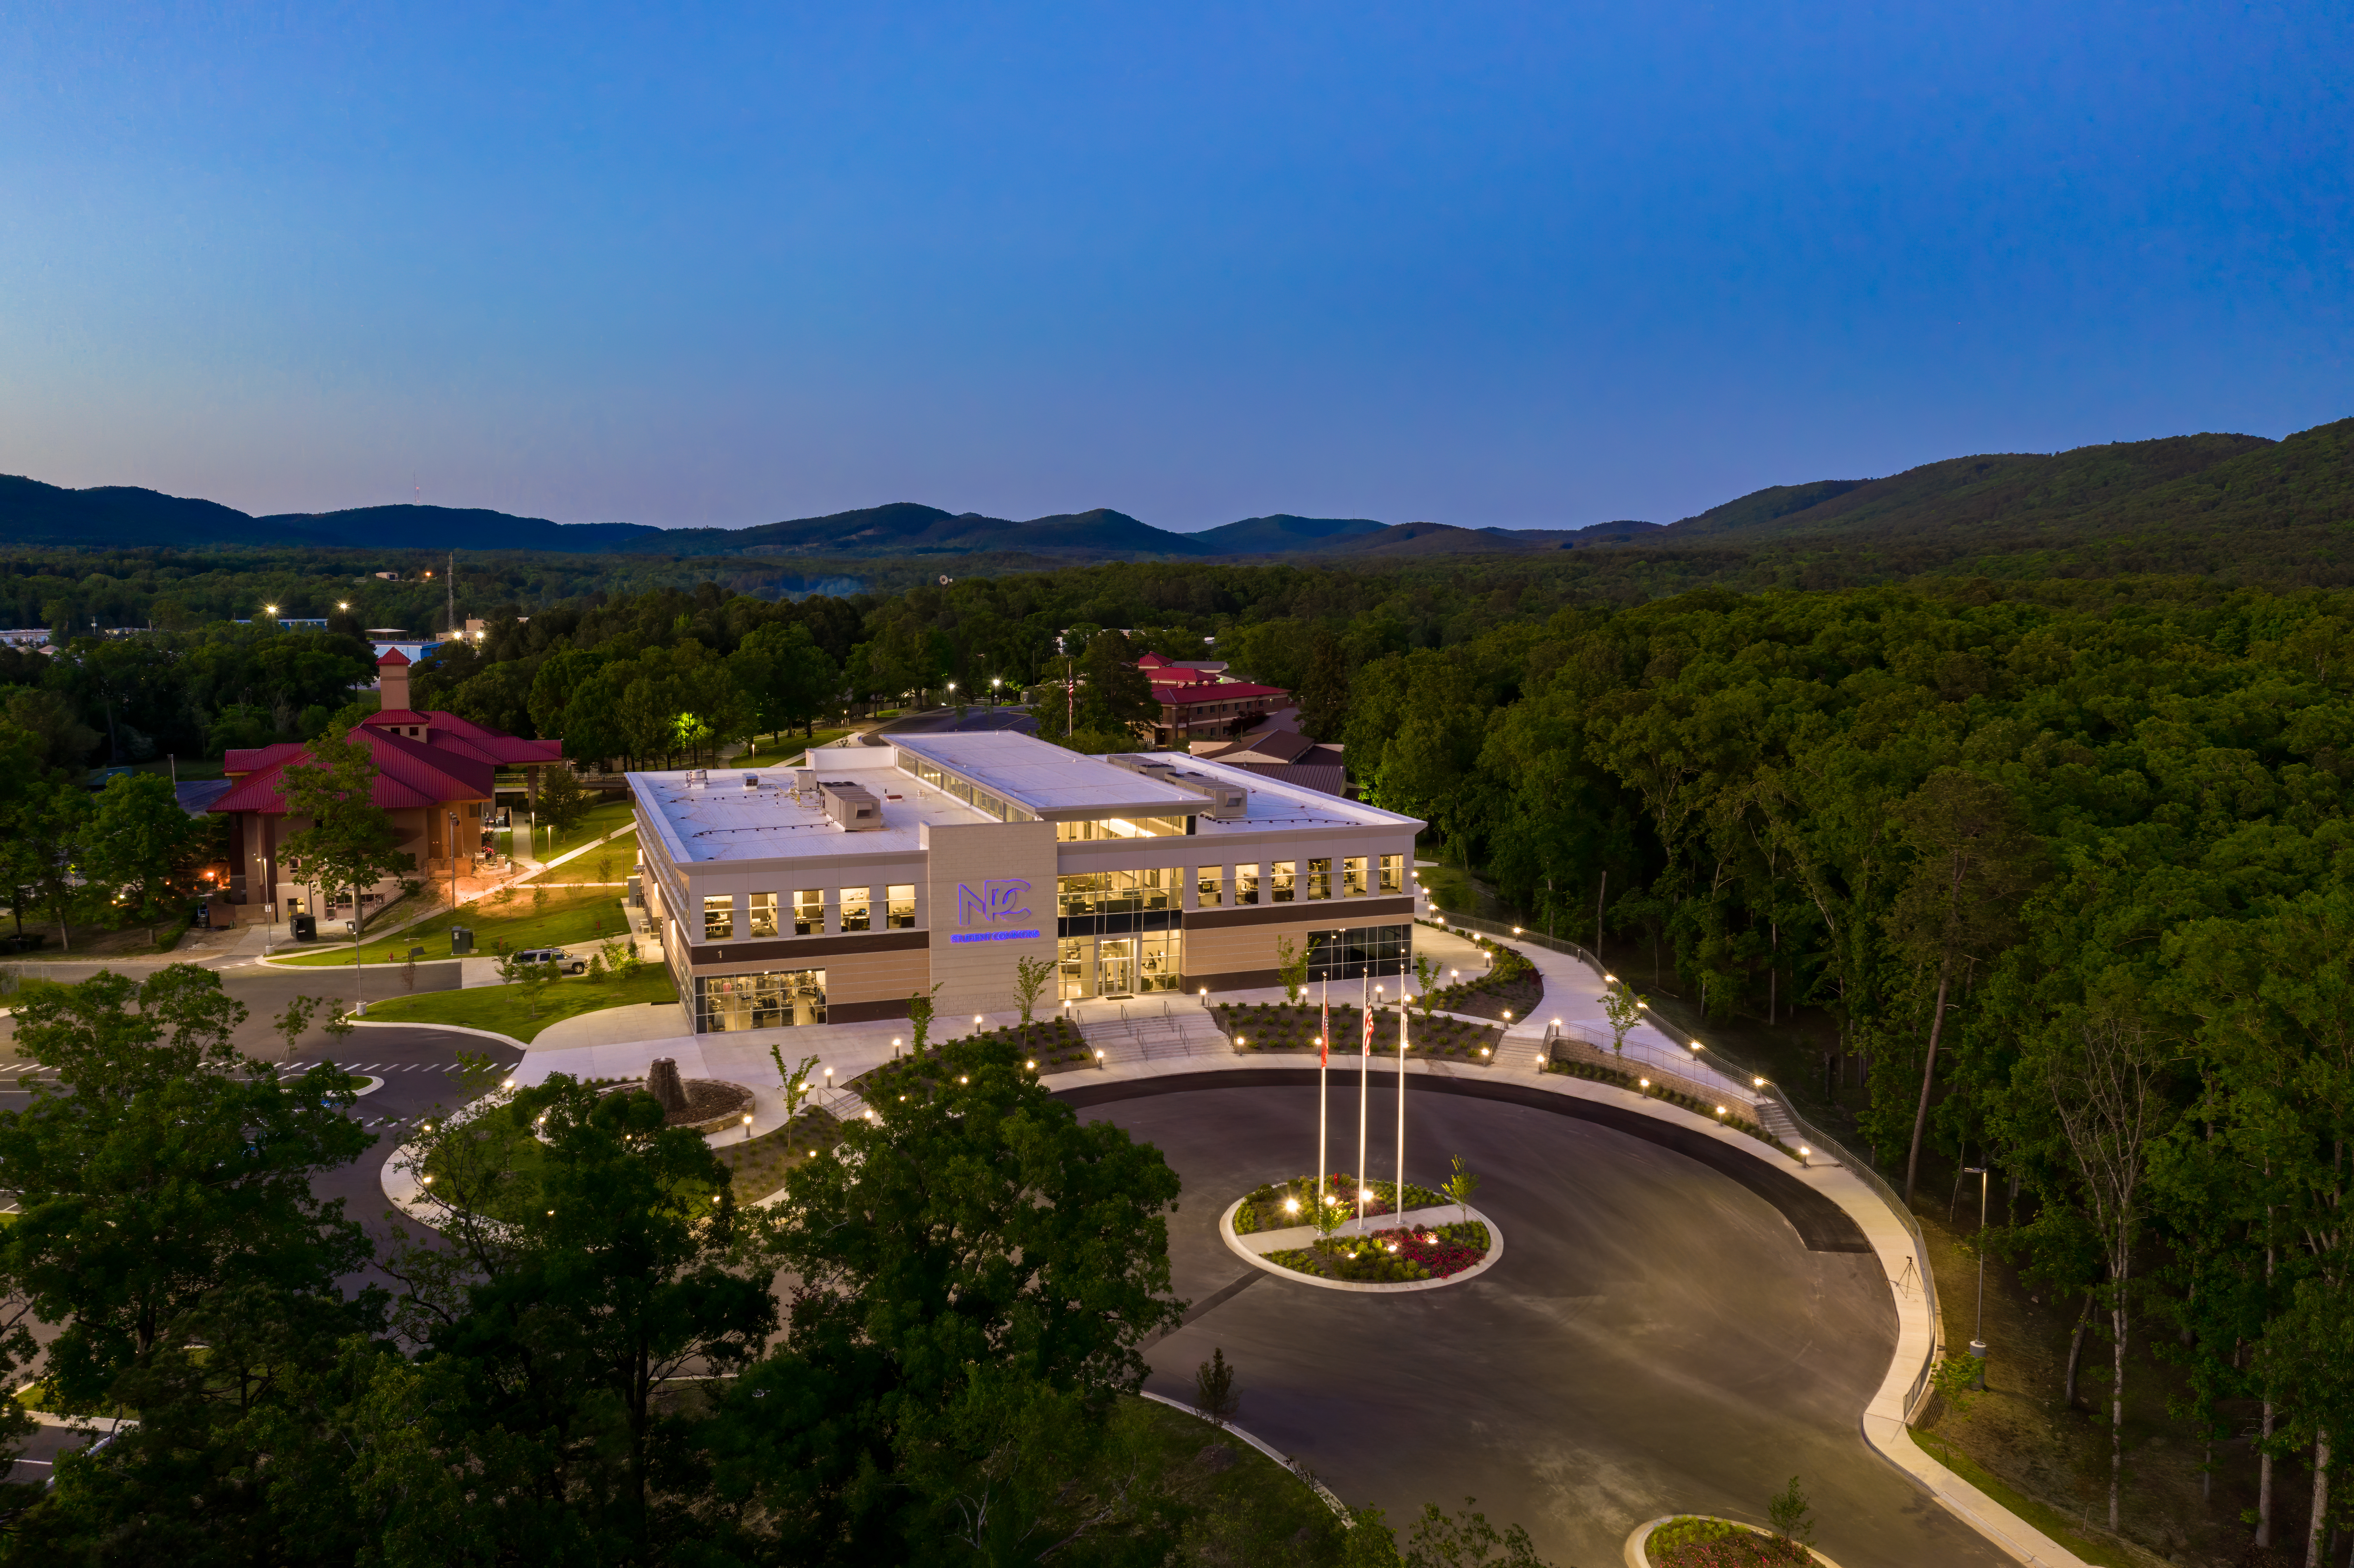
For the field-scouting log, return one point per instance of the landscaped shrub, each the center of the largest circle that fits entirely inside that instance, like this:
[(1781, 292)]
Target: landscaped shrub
[(1715, 1544), (1392, 1257), (1281, 1028), (1596, 1073)]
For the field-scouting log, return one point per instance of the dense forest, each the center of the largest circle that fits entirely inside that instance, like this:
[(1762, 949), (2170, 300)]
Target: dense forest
[(2060, 862)]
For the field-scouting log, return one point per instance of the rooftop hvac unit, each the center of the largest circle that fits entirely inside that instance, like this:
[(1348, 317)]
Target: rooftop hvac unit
[(852, 807), (804, 784), (1227, 800)]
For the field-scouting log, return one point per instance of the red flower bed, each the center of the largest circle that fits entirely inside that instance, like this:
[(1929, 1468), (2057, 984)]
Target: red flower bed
[(1437, 1250)]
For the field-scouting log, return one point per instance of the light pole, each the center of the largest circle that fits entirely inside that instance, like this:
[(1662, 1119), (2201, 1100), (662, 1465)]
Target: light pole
[(452, 847), (1977, 1341)]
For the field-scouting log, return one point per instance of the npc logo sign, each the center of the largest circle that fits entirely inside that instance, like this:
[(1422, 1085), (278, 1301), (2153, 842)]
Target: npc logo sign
[(999, 900)]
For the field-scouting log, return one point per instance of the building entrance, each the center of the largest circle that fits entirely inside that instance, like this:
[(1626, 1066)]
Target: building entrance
[(1116, 965), (1120, 965)]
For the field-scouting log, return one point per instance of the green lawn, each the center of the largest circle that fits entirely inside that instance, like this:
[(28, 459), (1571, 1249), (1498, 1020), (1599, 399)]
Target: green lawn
[(501, 1007), (1450, 889), (772, 748), (570, 914), (2066, 1532)]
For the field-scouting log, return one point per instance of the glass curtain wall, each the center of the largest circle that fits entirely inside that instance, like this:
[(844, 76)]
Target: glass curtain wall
[(777, 998)]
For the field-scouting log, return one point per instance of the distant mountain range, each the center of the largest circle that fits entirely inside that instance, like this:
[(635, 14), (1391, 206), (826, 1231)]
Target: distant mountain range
[(32, 513), (2180, 501)]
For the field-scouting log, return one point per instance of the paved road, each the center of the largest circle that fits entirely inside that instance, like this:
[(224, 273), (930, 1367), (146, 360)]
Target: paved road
[(1655, 1338)]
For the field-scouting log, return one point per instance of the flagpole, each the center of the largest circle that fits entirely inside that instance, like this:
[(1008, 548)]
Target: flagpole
[(1398, 1205), (1364, 1086), (1323, 1101)]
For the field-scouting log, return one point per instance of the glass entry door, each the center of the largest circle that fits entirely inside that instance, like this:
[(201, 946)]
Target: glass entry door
[(1116, 965)]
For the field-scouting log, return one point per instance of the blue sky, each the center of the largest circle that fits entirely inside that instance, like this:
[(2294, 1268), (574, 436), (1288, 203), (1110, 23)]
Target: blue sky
[(1527, 266)]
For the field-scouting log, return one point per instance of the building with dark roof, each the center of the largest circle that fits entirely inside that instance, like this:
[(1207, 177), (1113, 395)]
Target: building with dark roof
[(1286, 755), (436, 775)]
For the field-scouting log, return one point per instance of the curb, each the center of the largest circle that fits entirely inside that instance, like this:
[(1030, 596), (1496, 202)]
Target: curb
[(1323, 1491), (452, 1028), (1886, 1437), (1635, 1554), (1368, 1286)]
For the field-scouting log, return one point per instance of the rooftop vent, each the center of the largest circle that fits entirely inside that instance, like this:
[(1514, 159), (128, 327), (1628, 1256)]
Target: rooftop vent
[(852, 807)]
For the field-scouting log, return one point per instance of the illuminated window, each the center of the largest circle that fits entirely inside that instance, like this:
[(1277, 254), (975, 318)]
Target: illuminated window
[(1393, 874), (902, 906), (1352, 876), (1247, 884), (808, 913), (718, 916), (1282, 880), (854, 908), (764, 915), (1210, 885), (1320, 878)]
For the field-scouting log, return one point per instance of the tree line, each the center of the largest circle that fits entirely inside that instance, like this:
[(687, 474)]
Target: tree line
[(596, 1354), (2065, 870)]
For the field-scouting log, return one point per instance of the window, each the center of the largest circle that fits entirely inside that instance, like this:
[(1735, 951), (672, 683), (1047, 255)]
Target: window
[(1320, 878), (1351, 954), (1077, 964), (764, 915), (902, 897), (1282, 880), (1352, 876), (1123, 828), (855, 901), (777, 998), (1247, 884), (808, 913), (1209, 885), (1160, 960), (1115, 892), (718, 916), (1393, 874)]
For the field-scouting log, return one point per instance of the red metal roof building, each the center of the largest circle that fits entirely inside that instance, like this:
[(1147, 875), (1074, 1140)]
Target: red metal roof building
[(1196, 703), (436, 775)]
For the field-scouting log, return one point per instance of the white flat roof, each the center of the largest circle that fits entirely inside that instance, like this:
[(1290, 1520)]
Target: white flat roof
[(1046, 779), (721, 820)]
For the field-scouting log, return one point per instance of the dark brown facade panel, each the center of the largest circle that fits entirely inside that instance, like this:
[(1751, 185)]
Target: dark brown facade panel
[(864, 1011), (796, 952), (1339, 912), (1240, 980)]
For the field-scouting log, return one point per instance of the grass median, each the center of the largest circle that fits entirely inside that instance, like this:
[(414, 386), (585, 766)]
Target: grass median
[(564, 915), (507, 1010)]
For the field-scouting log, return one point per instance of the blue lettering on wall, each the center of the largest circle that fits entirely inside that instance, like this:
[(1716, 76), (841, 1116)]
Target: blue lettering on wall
[(997, 901), (991, 935)]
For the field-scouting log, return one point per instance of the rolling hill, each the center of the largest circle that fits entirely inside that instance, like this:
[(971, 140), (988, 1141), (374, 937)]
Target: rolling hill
[(2229, 505)]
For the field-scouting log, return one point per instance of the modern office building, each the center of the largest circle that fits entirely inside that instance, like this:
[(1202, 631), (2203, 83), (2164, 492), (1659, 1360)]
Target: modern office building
[(835, 892)]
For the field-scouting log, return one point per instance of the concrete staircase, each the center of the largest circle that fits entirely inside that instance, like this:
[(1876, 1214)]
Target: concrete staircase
[(1155, 1031), (1776, 1120)]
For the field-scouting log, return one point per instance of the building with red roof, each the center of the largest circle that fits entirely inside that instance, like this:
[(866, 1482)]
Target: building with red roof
[(436, 775), (1198, 701)]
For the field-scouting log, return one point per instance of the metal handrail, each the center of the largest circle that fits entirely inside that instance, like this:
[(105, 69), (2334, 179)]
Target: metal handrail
[(1815, 1137)]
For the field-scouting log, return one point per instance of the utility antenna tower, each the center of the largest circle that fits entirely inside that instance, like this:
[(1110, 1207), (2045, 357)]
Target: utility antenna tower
[(451, 584)]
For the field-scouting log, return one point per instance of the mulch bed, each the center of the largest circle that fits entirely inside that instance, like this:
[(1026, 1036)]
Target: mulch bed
[(760, 1164), (1391, 1257), (1714, 1543), (1273, 1026)]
